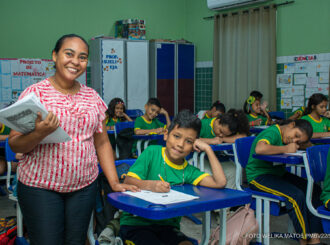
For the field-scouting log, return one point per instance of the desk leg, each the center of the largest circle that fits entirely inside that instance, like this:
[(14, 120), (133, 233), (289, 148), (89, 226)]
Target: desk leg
[(138, 147), (223, 228), (206, 228), (146, 143), (195, 159), (201, 160)]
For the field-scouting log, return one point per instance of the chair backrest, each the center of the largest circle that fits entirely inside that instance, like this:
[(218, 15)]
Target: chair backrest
[(162, 118), (243, 147), (122, 125), (277, 114), (10, 155), (317, 160), (134, 113)]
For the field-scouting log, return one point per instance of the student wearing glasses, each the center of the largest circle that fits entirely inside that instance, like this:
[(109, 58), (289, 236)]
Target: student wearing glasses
[(157, 169)]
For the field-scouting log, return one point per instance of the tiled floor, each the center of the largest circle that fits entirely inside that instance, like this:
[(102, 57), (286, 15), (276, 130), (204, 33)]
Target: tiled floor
[(278, 224)]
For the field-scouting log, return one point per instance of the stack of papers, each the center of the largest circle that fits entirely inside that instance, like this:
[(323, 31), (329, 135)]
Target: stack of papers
[(297, 153), (21, 117), (162, 198)]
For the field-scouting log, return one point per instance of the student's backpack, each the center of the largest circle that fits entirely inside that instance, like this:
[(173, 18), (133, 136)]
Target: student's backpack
[(8, 230), (124, 142), (241, 228)]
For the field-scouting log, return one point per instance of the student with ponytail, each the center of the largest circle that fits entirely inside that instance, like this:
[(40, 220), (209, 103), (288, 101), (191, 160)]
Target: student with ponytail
[(256, 113), (317, 107)]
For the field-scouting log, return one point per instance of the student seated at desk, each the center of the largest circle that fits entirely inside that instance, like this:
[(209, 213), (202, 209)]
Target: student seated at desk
[(216, 109), (316, 108), (4, 134), (256, 113), (148, 123), (226, 128), (264, 176), (170, 164), (116, 113), (325, 197)]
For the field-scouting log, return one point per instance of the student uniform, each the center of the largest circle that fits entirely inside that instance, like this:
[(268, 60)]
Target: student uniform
[(263, 176), (300, 110), (319, 126), (110, 122), (152, 162), (142, 123), (325, 197), (251, 118), (4, 130), (227, 165)]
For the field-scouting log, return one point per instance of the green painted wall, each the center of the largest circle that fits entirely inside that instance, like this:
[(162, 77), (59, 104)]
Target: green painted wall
[(29, 29)]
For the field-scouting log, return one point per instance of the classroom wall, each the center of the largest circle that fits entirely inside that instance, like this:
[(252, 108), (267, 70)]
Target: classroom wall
[(30, 29)]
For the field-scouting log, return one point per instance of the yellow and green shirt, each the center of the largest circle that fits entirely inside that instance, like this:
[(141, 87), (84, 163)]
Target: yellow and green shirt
[(142, 123), (151, 163), (319, 126), (256, 167), (207, 128), (251, 118), (110, 122), (4, 130), (300, 111), (325, 196)]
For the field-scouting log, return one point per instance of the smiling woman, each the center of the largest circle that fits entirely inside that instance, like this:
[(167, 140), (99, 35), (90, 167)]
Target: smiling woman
[(55, 179)]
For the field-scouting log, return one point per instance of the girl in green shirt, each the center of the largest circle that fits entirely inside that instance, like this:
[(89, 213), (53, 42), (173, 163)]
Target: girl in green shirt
[(116, 113), (314, 113), (256, 113)]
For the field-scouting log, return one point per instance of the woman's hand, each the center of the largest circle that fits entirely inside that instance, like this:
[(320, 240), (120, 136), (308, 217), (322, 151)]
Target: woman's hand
[(47, 126), (124, 187)]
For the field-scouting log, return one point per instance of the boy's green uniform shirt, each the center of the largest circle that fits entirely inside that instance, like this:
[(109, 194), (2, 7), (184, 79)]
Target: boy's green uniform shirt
[(4, 130), (321, 126), (142, 123), (148, 166), (256, 167), (206, 116), (264, 120), (207, 128), (300, 110), (325, 196)]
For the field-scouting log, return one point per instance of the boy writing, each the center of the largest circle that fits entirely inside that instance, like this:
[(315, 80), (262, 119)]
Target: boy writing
[(169, 162)]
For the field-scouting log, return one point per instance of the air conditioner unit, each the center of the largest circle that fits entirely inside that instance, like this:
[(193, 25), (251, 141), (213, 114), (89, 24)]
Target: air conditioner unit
[(226, 4)]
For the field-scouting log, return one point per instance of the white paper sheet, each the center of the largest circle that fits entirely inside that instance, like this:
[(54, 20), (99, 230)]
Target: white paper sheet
[(322, 66), (284, 80), (162, 198), (21, 117), (324, 77), (298, 100), (323, 89), (5, 66), (286, 103), (300, 78), (289, 68), (310, 91), (297, 153)]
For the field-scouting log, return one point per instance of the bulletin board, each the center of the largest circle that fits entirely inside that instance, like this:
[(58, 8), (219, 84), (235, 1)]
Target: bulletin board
[(298, 77), (17, 74)]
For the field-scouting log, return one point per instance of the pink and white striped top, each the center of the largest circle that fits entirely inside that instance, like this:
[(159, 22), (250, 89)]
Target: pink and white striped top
[(68, 166)]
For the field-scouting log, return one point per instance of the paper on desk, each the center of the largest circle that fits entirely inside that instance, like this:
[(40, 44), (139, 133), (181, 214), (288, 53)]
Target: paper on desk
[(21, 117), (297, 153), (162, 198)]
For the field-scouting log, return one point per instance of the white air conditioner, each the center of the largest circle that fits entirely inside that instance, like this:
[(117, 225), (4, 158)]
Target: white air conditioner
[(226, 4)]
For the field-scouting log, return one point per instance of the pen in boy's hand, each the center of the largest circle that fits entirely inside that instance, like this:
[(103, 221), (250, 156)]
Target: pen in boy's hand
[(161, 178)]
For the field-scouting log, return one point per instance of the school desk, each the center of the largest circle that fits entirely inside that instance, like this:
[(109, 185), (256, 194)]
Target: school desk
[(146, 139), (111, 131), (220, 147), (295, 162), (324, 140), (209, 199), (2, 143)]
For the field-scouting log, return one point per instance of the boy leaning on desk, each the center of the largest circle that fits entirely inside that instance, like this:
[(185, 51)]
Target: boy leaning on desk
[(157, 169)]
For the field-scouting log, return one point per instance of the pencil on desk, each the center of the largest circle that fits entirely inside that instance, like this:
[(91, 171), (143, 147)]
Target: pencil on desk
[(161, 178)]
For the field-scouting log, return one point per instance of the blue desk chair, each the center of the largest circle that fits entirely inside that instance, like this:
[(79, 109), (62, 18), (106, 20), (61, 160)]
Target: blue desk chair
[(277, 115), (315, 161), (263, 203), (134, 113), (118, 128), (10, 157)]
